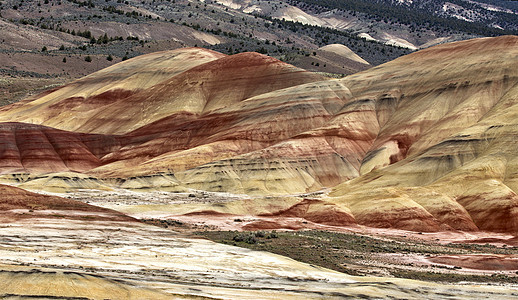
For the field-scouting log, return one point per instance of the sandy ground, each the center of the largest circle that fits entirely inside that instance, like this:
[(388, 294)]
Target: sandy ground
[(162, 205), (160, 260)]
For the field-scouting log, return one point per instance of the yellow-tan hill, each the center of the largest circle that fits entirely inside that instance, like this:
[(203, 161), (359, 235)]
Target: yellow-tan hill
[(425, 142), (445, 156)]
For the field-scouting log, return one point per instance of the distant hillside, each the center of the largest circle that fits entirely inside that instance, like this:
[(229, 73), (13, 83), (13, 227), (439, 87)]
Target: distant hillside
[(408, 24), (473, 17), (48, 43)]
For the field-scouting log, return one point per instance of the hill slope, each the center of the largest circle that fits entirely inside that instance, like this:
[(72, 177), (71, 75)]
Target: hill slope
[(17, 204), (343, 51), (55, 248), (448, 143), (400, 143)]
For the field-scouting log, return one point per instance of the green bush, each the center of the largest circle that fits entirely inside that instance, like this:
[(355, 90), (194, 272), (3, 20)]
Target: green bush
[(272, 235), (243, 237)]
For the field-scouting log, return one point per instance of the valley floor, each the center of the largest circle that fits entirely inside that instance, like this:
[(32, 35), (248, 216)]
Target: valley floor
[(46, 253), (375, 255), (92, 259)]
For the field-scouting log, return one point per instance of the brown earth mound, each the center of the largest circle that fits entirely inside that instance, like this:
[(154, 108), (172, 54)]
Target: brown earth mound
[(316, 211), (16, 203)]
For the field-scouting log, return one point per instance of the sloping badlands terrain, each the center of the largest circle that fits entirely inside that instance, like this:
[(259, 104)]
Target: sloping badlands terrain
[(55, 248), (425, 142), (422, 146)]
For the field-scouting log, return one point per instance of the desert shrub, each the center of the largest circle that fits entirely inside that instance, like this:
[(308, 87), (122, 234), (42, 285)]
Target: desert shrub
[(272, 235), (239, 237), (250, 240), (243, 237)]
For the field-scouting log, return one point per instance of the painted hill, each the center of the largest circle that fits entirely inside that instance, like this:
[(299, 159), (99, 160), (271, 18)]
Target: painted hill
[(149, 88), (345, 52), (56, 248), (425, 142), (445, 154), (17, 204)]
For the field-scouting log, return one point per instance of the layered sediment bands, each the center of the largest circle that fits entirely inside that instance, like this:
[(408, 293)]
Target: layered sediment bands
[(70, 106), (138, 92), (447, 149), (200, 90), (28, 148), (437, 92), (316, 211), (17, 204), (320, 134), (425, 142), (267, 120), (26, 283), (473, 172)]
